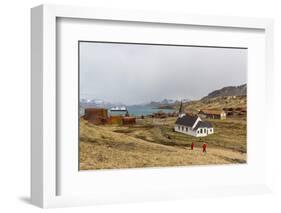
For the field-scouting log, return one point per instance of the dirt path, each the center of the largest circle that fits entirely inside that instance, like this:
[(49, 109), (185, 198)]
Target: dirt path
[(96, 156), (216, 156)]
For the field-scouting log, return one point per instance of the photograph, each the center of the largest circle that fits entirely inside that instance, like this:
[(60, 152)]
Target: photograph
[(161, 105)]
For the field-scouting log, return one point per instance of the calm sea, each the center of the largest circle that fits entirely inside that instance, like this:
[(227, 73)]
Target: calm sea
[(137, 110), (145, 110)]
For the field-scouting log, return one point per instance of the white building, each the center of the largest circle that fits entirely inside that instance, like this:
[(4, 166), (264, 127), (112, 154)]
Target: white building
[(193, 125)]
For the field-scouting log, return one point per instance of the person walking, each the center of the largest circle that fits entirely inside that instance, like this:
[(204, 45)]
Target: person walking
[(192, 146), (204, 147)]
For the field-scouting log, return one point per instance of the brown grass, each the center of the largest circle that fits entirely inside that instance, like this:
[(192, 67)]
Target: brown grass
[(152, 143), (217, 103)]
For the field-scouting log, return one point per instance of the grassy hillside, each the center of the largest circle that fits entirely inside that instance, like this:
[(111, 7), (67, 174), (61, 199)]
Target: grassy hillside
[(215, 103), (228, 91), (153, 143)]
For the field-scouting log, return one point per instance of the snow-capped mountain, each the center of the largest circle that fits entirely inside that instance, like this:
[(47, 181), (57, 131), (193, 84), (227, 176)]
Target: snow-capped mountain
[(98, 103)]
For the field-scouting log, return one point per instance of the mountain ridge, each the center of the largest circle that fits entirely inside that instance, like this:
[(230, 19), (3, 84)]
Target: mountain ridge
[(240, 90)]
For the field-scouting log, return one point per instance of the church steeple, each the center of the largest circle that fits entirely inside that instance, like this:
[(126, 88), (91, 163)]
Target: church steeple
[(181, 110)]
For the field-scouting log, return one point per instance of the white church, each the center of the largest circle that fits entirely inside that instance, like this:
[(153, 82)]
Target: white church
[(192, 125)]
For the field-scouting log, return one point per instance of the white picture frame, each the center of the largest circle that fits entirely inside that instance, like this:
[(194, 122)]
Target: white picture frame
[(45, 168)]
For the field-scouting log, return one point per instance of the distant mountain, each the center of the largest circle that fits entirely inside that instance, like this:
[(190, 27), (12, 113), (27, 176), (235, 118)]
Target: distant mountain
[(166, 102), (185, 100), (163, 102), (228, 91), (98, 103)]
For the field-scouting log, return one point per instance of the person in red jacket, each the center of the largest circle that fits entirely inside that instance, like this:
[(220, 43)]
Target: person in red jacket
[(192, 146), (204, 147)]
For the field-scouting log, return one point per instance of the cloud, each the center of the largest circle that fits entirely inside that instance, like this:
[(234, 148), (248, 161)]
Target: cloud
[(132, 74)]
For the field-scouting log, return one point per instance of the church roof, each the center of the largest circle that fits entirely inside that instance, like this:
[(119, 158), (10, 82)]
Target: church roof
[(203, 124), (187, 120)]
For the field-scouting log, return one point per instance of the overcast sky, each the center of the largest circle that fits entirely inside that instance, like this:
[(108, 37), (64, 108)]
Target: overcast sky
[(134, 74)]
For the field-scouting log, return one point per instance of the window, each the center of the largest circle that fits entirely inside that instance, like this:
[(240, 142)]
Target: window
[(186, 129), (201, 131)]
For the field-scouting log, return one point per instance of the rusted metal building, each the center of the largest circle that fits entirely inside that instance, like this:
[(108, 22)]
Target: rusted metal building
[(96, 115), (160, 115), (238, 111), (212, 113), (128, 120), (115, 119), (99, 116)]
